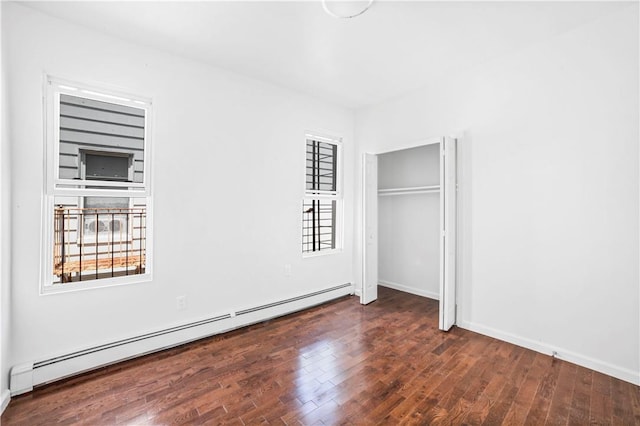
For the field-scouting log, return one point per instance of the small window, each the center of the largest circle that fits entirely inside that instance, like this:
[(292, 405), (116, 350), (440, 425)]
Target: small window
[(106, 166), (97, 188), (323, 198)]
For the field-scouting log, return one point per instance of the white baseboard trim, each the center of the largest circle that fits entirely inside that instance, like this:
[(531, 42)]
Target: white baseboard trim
[(407, 289), (560, 353), (5, 398), (27, 375)]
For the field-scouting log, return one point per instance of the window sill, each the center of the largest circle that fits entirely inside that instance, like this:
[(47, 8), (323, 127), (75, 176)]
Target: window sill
[(321, 253), (94, 284)]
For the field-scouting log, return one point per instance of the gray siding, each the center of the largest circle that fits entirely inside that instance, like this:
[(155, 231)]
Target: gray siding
[(86, 124)]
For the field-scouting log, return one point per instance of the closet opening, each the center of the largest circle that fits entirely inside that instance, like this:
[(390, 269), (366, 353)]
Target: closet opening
[(409, 205)]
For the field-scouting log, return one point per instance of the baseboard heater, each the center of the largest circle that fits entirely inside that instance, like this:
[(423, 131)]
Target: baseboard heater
[(88, 351), (25, 376), (293, 299)]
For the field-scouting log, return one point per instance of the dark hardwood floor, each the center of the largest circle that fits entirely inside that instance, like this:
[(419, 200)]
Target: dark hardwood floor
[(340, 363)]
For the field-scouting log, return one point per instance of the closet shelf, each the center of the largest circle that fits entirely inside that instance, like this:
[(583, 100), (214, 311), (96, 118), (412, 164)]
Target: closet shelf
[(409, 190)]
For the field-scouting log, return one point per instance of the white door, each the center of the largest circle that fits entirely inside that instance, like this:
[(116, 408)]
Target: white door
[(448, 189), (370, 229)]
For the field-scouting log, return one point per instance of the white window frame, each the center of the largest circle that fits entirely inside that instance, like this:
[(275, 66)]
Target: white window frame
[(54, 186), (336, 195)]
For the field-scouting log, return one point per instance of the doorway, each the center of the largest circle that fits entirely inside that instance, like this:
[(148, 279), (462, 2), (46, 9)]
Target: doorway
[(409, 223)]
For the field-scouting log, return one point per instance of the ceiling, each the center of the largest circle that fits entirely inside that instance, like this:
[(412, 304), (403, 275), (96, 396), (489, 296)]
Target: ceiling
[(393, 48)]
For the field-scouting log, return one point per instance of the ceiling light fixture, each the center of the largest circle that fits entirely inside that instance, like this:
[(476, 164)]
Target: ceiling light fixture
[(335, 15)]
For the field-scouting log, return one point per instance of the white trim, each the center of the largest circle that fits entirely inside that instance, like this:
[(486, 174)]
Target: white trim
[(50, 134), (25, 376), (323, 137), (317, 195), (409, 289), (46, 242), (560, 353), (5, 398), (99, 92), (94, 284), (306, 255), (412, 144), (77, 183), (442, 241), (99, 192)]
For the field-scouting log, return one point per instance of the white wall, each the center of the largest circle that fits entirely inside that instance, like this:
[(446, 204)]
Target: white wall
[(549, 189), (229, 169), (5, 229), (409, 224)]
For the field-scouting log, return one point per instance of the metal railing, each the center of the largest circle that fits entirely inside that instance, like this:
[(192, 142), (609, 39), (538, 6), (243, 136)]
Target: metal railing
[(94, 243)]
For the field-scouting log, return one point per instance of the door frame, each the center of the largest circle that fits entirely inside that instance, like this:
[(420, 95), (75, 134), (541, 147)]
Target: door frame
[(446, 287)]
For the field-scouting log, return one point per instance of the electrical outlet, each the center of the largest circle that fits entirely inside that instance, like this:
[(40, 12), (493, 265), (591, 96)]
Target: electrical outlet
[(181, 303), (287, 270)]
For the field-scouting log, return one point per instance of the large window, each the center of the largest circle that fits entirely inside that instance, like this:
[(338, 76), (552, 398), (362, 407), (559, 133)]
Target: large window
[(98, 197), (323, 197)]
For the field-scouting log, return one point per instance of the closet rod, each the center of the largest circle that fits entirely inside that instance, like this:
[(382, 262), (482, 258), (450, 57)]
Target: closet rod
[(409, 190)]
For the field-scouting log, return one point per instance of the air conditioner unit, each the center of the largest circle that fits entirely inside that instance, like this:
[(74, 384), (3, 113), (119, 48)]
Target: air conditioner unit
[(111, 227)]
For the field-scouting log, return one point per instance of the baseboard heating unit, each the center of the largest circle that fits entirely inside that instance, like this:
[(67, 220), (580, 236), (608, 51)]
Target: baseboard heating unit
[(27, 375)]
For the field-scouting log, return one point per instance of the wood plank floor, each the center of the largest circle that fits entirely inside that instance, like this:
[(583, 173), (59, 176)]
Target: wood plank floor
[(340, 363)]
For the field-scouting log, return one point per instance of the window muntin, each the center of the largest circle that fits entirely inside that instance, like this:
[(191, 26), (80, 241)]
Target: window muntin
[(322, 203), (97, 214)]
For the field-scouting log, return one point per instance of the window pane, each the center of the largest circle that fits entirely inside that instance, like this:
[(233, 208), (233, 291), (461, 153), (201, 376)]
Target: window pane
[(95, 243), (318, 225), (87, 124), (321, 166)]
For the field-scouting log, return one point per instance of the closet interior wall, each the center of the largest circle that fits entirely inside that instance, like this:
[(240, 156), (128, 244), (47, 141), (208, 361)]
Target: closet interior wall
[(409, 217)]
